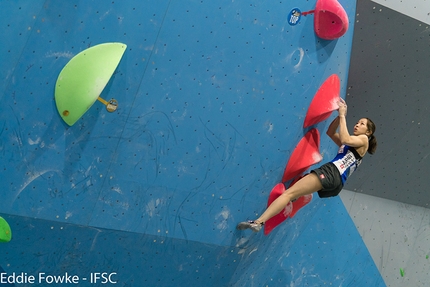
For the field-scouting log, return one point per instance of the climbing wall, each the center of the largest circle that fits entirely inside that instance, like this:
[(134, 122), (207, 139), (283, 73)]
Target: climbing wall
[(390, 73), (212, 97)]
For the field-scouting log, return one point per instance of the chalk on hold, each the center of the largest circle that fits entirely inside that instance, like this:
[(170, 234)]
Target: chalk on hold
[(330, 20), (5, 231), (84, 77), (299, 203), (324, 101), (305, 154)]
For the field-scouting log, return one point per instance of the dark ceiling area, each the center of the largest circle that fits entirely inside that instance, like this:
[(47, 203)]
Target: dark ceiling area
[(389, 82)]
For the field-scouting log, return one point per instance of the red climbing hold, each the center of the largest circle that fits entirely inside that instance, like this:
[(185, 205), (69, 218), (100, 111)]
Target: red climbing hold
[(299, 203), (304, 155), (289, 211), (324, 101), (270, 224), (331, 20)]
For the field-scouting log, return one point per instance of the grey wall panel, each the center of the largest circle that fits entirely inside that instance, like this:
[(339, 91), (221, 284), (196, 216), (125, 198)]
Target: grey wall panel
[(417, 9), (397, 236), (389, 82)]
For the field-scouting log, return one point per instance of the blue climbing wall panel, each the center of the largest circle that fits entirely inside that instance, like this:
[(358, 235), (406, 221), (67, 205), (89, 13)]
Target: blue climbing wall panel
[(212, 97)]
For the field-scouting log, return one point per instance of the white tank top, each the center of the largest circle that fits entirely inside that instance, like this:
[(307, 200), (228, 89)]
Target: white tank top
[(347, 161)]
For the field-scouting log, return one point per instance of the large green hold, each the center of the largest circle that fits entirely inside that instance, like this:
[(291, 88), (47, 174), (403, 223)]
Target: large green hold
[(83, 79), (5, 231)]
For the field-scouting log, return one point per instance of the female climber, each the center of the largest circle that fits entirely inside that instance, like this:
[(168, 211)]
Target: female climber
[(328, 180)]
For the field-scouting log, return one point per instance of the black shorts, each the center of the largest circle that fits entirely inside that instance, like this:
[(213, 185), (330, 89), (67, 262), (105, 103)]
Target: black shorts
[(330, 179)]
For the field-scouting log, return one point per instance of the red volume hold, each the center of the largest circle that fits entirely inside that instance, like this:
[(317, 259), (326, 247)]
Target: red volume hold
[(324, 101), (304, 155), (330, 20)]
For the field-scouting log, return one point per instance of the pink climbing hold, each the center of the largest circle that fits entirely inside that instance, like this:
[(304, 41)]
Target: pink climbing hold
[(324, 101), (305, 154), (330, 21)]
